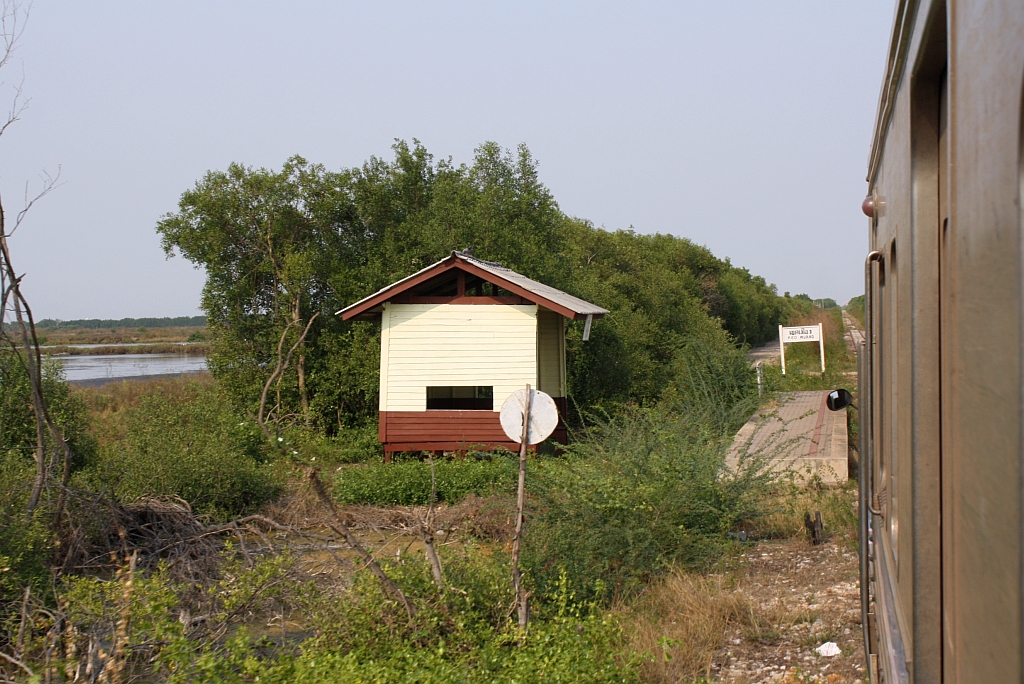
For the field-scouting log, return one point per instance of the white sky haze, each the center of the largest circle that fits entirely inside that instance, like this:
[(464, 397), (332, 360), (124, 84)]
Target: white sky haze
[(744, 126)]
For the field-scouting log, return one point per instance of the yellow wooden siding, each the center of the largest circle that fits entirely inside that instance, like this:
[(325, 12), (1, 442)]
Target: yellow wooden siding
[(384, 339), (550, 353), (441, 345)]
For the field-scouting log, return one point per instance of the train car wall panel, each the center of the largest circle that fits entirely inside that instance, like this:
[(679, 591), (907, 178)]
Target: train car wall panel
[(945, 400), (921, 425), (982, 457)]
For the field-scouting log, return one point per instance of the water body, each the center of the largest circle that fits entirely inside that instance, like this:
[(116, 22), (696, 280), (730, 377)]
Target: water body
[(111, 366)]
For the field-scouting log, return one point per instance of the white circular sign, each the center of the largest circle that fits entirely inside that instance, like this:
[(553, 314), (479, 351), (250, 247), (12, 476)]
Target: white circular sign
[(543, 416)]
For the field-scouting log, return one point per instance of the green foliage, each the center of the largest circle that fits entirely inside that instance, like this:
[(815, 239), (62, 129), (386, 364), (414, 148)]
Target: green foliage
[(408, 483), (357, 634), (26, 543), (18, 419), (356, 443), (713, 385), (282, 247), (855, 307), (363, 636), (190, 444), (643, 491)]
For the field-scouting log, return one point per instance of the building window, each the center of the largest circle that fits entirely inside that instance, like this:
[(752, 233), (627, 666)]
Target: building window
[(460, 398)]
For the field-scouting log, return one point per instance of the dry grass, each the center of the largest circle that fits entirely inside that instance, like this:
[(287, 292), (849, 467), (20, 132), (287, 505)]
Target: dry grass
[(58, 336), (106, 404), (837, 504), (680, 623), (194, 348)]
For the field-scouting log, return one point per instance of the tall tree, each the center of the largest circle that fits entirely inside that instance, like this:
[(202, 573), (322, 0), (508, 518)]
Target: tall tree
[(269, 243)]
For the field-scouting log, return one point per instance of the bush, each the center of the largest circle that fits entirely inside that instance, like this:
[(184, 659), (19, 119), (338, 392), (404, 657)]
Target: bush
[(351, 444), (714, 386), (361, 635), (639, 493), (18, 419), (26, 544), (408, 483), (190, 444)]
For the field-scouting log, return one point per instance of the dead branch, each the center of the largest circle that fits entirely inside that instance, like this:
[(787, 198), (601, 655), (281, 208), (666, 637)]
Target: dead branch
[(17, 663), (389, 586), (426, 532), (283, 362), (19, 644)]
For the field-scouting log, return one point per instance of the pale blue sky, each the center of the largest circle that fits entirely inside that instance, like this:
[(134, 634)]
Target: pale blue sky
[(744, 126)]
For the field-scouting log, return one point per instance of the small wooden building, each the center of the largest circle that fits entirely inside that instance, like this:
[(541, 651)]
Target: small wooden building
[(459, 337)]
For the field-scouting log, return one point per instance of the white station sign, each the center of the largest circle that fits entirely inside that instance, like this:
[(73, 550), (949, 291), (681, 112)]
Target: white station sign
[(803, 333)]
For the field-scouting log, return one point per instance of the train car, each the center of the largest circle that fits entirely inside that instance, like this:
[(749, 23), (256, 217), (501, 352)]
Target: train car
[(941, 373)]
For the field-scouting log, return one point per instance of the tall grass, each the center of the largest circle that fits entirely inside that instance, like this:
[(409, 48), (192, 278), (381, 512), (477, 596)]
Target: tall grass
[(182, 439), (680, 623)]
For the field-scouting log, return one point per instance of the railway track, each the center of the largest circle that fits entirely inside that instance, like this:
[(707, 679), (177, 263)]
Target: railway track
[(853, 335)]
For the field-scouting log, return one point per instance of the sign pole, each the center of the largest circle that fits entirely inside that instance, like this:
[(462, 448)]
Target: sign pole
[(821, 344), (782, 351), (517, 578)]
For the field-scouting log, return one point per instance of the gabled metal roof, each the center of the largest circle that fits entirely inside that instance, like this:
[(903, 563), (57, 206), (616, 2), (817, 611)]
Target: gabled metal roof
[(538, 293)]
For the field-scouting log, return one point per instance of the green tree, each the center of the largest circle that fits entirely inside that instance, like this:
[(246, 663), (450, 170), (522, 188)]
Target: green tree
[(270, 243), (285, 250)]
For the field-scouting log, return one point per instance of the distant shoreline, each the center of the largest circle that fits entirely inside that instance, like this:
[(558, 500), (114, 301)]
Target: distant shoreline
[(99, 382)]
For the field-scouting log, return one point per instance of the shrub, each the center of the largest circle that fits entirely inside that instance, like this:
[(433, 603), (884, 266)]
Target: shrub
[(408, 483), (356, 635), (191, 445), (640, 492), (26, 544), (714, 386), (17, 417)]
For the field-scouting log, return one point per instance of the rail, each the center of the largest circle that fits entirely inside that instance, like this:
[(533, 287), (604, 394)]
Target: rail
[(864, 380)]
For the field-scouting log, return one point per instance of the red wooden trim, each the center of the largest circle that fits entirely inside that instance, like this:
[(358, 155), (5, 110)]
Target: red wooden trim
[(454, 262), (521, 291), (460, 283), (442, 266), (392, 447), (413, 299), (451, 430), (382, 427)]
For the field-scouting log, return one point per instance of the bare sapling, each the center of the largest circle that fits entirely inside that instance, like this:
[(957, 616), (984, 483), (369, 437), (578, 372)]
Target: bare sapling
[(426, 531), (522, 607), (20, 334), (283, 362)]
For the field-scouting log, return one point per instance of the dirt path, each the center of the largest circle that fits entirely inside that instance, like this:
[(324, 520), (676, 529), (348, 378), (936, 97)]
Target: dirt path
[(768, 353), (802, 597)]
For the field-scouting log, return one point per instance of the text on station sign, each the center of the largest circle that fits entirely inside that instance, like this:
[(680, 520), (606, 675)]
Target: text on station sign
[(800, 334)]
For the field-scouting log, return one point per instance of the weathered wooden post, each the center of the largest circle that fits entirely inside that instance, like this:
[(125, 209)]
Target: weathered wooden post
[(517, 578), (539, 417)]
